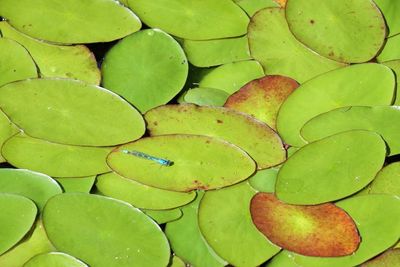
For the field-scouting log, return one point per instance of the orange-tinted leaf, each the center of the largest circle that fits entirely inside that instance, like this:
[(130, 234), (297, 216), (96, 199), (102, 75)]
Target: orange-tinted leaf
[(321, 230), (390, 258), (263, 97), (282, 3)]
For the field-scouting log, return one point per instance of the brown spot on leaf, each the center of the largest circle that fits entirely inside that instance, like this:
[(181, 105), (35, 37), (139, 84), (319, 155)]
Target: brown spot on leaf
[(312, 21), (155, 123), (220, 121), (331, 54)]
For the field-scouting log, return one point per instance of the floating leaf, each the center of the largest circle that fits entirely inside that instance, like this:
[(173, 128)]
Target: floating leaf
[(206, 97), (147, 68), (7, 129), (387, 181), (278, 51), (55, 159), (140, 195), (201, 162), (264, 180), (76, 62), (54, 259), (262, 97), (255, 137), (320, 231), (77, 184), (390, 50), (351, 160), (176, 262), (164, 216), (57, 110), (225, 222), (357, 85), (192, 19), (341, 30), (390, 10), (390, 258), (395, 66), (123, 235), (283, 258), (70, 21), (380, 119), (252, 6)]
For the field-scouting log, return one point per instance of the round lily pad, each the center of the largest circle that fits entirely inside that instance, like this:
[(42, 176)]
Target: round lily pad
[(140, 195), (7, 129), (255, 137), (147, 68), (164, 216), (57, 110), (70, 21), (192, 19), (77, 184), (54, 259), (346, 31), (264, 180), (206, 97), (33, 185), (75, 62), (390, 10), (225, 222), (350, 161), (17, 216), (262, 97), (123, 235), (394, 65), (55, 159), (201, 162), (387, 181), (176, 262), (390, 258), (187, 241), (283, 258), (321, 230), (15, 62), (380, 119), (356, 85), (390, 50), (279, 52)]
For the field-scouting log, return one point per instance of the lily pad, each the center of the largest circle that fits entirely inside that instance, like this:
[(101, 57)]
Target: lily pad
[(390, 51), (390, 10), (164, 216), (77, 184), (356, 85), (252, 6), (387, 181), (380, 119), (206, 97), (7, 129), (176, 262), (320, 231), (54, 259), (350, 162), (123, 235), (231, 77), (69, 21), (341, 30), (140, 195), (264, 180), (279, 52), (16, 219), (192, 19), (255, 137), (283, 258), (395, 66), (187, 241), (225, 222), (57, 110), (35, 244), (216, 52), (53, 159), (201, 162), (371, 214), (390, 258), (15, 62), (36, 186), (76, 62), (263, 97)]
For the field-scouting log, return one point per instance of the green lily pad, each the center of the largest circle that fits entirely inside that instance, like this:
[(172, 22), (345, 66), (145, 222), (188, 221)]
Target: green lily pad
[(15, 62), (279, 52), (54, 259), (255, 137), (357, 85), (252, 6), (60, 112), (16, 219), (147, 68), (391, 49), (187, 241), (201, 162), (216, 52), (225, 222), (76, 62), (176, 262), (164, 216), (192, 19), (283, 258), (140, 195), (390, 258), (390, 10), (395, 66), (206, 97), (380, 119), (70, 21), (387, 181), (36, 186), (320, 231), (35, 244), (341, 30), (231, 77), (372, 213), (7, 129), (123, 235), (350, 161), (264, 180), (53, 159), (263, 97), (77, 184)]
